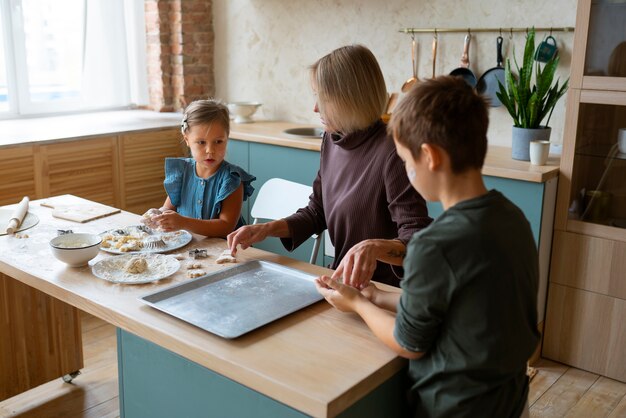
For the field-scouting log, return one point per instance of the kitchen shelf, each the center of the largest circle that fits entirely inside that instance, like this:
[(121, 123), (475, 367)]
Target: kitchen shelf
[(470, 30)]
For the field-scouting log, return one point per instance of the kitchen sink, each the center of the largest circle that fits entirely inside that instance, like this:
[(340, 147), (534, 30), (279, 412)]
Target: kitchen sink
[(304, 132)]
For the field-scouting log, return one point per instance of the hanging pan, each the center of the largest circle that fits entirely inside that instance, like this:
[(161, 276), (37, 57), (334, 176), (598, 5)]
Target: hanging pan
[(488, 83), (463, 70)]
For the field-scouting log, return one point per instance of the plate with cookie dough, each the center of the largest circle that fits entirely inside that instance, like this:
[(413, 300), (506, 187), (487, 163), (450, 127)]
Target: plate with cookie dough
[(139, 239), (136, 268)]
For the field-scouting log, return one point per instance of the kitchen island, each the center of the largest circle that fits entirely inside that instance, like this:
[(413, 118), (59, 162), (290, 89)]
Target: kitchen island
[(315, 362), (266, 151)]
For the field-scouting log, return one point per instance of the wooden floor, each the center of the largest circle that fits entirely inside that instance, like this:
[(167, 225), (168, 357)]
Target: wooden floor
[(556, 391)]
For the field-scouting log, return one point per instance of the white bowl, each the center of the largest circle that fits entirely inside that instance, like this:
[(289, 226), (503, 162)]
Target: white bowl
[(75, 249), (243, 111)]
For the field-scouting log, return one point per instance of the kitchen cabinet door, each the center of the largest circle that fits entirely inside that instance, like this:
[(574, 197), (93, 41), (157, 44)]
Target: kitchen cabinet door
[(85, 168), (142, 167), (300, 166), (41, 338), (17, 174)]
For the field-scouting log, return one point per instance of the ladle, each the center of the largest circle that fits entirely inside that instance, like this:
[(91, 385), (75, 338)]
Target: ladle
[(411, 81)]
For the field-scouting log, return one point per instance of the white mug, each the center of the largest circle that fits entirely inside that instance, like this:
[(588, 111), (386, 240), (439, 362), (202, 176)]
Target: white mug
[(539, 151), (621, 140)]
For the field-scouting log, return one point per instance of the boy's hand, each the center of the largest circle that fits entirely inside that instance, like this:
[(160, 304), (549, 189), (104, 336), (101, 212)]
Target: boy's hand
[(338, 294), (245, 237), (358, 265), (169, 221), (370, 293)]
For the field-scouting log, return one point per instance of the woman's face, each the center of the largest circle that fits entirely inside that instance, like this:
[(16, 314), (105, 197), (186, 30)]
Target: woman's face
[(325, 117)]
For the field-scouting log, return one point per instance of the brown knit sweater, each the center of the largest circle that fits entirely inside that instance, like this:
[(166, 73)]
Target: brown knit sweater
[(361, 192)]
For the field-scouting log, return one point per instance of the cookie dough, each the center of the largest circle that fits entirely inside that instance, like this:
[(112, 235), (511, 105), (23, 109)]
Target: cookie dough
[(192, 266), (225, 257), (136, 265), (192, 274)]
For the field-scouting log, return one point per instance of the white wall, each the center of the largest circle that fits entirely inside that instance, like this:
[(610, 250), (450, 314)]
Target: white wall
[(263, 47)]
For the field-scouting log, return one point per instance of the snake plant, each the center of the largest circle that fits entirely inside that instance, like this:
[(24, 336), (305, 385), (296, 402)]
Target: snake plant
[(528, 103)]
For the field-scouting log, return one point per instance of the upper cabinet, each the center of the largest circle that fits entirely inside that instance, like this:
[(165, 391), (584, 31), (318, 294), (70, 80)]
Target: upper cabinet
[(592, 192), (599, 62), (586, 306)]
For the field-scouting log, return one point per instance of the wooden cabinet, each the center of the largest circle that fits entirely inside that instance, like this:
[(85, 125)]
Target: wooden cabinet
[(17, 174), (41, 338), (124, 171), (87, 168), (587, 294), (142, 162)]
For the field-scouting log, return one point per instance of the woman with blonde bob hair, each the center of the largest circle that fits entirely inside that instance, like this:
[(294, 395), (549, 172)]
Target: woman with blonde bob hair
[(361, 193), (350, 87)]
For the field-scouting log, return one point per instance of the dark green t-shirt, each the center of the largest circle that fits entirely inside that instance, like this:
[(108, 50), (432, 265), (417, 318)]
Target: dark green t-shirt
[(469, 302)]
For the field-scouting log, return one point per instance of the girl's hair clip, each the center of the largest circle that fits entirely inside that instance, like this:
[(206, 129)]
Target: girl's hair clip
[(184, 125)]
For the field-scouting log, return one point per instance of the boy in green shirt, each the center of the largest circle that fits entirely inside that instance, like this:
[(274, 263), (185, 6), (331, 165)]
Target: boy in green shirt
[(466, 317)]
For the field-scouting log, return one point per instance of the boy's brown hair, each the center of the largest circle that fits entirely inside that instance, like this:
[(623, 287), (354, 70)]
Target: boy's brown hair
[(447, 112)]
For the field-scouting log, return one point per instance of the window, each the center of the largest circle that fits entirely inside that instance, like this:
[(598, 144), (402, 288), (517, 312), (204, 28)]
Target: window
[(71, 55)]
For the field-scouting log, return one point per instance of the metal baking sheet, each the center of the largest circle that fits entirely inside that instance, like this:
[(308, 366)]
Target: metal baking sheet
[(237, 300)]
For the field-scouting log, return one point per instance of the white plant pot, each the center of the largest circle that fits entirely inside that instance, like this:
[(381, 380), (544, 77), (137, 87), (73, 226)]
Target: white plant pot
[(520, 141)]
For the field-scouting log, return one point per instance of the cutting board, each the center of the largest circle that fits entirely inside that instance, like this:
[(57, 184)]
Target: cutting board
[(64, 207)]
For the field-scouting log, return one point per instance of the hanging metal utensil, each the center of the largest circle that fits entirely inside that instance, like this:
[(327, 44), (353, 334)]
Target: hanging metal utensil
[(464, 71), (411, 81), (434, 53)]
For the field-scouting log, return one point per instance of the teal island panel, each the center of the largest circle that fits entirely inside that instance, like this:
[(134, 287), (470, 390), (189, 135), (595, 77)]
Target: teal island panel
[(155, 382)]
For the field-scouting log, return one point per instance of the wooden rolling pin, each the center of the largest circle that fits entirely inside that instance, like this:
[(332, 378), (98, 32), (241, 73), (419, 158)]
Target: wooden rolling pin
[(18, 216)]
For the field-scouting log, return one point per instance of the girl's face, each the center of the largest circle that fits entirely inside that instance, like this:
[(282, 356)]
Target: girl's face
[(208, 147)]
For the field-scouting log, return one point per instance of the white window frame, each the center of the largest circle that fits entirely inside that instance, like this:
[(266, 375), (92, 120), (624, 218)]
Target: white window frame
[(134, 56)]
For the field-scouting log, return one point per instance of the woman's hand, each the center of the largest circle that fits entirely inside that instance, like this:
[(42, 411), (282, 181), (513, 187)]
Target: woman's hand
[(342, 297), (358, 265), (169, 221), (246, 236)]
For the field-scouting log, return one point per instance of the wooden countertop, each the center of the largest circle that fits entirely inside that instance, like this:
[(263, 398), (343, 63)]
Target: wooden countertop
[(55, 128), (294, 360), (498, 162)]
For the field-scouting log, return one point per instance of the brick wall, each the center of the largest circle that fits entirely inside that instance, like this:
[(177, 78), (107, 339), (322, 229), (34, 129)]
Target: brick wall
[(180, 40)]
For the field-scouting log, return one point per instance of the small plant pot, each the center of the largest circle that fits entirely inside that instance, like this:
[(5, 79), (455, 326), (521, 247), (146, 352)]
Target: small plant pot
[(520, 141)]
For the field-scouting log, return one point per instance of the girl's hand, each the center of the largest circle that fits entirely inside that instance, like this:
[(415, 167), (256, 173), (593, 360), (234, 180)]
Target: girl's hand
[(338, 294), (246, 236), (358, 265), (169, 221)]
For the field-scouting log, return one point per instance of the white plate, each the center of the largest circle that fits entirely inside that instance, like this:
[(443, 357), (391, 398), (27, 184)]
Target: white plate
[(112, 269), (173, 240)]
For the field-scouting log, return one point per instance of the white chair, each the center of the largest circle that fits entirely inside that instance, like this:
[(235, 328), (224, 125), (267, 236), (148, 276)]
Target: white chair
[(279, 198)]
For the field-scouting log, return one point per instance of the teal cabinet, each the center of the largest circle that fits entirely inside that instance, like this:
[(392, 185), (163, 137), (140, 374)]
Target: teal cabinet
[(268, 161), (238, 153), (155, 382), (528, 196), (301, 166)]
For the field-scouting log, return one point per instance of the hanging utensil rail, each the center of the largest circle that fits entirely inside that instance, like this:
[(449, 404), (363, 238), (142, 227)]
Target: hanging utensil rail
[(470, 30)]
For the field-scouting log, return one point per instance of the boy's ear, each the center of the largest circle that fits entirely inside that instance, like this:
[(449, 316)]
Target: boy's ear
[(433, 156)]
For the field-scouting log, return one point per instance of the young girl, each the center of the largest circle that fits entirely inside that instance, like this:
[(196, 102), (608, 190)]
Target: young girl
[(205, 193)]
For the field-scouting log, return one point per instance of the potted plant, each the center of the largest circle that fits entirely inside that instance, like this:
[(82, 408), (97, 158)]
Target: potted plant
[(529, 103)]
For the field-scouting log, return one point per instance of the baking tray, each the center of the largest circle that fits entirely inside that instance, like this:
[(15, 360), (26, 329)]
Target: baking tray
[(237, 300)]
